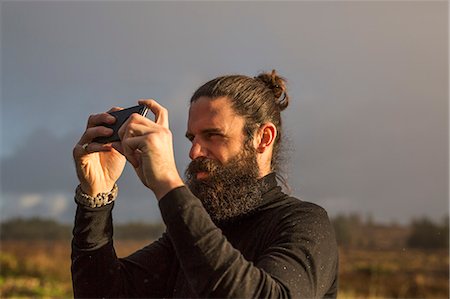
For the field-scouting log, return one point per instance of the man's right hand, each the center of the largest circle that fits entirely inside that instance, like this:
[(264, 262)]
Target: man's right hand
[(98, 166)]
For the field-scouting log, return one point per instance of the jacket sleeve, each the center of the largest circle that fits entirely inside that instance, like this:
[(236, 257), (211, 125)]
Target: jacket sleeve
[(98, 272), (290, 267)]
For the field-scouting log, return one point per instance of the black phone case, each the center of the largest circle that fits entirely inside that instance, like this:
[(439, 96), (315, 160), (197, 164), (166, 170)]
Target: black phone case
[(121, 116)]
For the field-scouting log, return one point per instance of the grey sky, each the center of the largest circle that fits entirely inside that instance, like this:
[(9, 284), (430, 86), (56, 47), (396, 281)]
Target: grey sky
[(368, 121)]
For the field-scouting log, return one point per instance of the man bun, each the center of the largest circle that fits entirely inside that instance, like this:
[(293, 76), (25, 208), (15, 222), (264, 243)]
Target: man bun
[(278, 86)]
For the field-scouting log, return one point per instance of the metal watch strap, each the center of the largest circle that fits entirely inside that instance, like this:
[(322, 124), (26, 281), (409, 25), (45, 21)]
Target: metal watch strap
[(102, 199)]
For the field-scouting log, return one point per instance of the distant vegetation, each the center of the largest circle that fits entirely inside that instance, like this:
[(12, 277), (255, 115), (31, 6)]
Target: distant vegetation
[(33, 229), (46, 229), (351, 232), (429, 235), (375, 261)]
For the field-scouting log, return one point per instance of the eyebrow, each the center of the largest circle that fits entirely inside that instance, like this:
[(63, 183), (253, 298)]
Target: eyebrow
[(190, 136)]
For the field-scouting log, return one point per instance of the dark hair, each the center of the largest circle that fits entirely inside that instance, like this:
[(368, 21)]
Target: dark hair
[(259, 100)]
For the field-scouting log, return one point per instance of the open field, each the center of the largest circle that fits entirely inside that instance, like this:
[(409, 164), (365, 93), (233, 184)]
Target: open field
[(42, 269), (403, 273)]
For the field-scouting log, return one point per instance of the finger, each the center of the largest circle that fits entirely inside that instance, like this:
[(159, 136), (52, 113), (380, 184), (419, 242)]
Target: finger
[(135, 129), (136, 125), (81, 150), (93, 132), (118, 147), (97, 147), (161, 113), (129, 150), (133, 149), (100, 119), (115, 108)]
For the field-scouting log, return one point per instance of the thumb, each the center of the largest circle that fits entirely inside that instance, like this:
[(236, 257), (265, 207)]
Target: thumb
[(118, 147), (130, 154), (137, 160)]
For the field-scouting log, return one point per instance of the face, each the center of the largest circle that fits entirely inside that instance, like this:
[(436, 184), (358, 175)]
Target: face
[(224, 172), (215, 130)]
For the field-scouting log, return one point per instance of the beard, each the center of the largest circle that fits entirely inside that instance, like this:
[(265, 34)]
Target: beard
[(230, 190)]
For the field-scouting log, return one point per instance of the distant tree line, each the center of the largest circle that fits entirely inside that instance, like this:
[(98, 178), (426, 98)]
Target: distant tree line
[(33, 229), (351, 231), (47, 229), (427, 234)]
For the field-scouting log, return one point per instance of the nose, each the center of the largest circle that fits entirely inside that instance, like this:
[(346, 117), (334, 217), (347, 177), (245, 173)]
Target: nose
[(197, 151)]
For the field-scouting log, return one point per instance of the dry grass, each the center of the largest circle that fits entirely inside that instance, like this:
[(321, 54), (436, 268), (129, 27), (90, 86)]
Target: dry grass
[(42, 269), (400, 273)]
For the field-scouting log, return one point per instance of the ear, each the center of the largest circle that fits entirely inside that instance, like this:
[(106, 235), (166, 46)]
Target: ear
[(265, 137)]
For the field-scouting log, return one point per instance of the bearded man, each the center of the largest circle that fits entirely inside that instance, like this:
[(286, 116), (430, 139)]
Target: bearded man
[(230, 230)]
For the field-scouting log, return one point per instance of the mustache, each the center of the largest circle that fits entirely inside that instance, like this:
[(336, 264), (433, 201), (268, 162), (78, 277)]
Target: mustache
[(202, 164)]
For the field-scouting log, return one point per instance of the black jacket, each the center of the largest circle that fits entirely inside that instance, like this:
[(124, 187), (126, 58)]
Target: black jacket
[(286, 248)]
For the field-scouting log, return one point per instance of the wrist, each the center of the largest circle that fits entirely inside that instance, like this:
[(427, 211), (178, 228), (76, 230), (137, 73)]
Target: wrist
[(166, 186), (100, 200), (91, 191)]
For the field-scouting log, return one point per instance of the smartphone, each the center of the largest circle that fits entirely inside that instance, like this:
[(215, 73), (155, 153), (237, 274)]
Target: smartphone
[(121, 116)]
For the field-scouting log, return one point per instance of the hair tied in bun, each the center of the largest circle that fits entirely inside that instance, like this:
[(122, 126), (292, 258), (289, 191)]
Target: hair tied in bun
[(277, 85)]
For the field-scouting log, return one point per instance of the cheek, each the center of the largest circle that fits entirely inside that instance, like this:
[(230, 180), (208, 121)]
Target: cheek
[(225, 153), (218, 154)]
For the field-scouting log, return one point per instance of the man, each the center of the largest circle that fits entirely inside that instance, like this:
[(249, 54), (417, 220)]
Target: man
[(231, 231)]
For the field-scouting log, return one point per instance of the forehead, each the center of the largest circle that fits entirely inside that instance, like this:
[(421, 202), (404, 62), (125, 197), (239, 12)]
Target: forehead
[(205, 112)]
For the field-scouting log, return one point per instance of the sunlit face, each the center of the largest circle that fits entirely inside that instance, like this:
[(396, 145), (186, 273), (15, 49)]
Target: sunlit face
[(215, 130), (224, 172)]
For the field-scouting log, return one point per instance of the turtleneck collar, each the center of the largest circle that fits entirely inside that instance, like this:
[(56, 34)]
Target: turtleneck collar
[(268, 182)]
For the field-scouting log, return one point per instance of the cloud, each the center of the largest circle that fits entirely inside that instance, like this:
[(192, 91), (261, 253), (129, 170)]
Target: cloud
[(368, 116), (29, 201), (39, 180), (41, 163), (59, 205)]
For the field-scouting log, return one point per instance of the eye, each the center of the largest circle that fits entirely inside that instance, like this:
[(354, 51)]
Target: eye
[(213, 134), (190, 137)]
